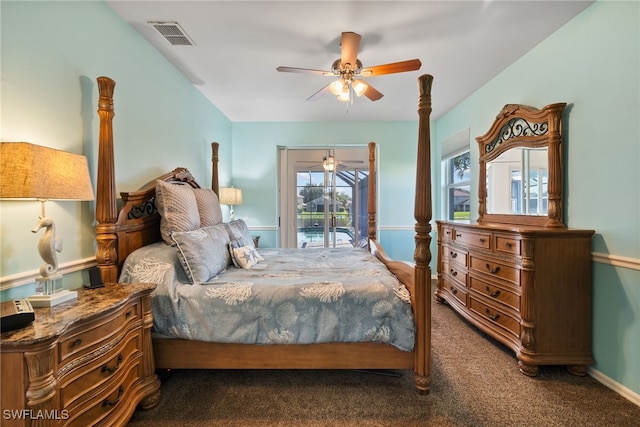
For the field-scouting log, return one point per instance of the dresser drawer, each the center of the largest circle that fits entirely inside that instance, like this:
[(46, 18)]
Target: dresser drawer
[(80, 382), (494, 316), (456, 255), (109, 399), (494, 268), (97, 332), (495, 293), (446, 234), (459, 293), (455, 272), (475, 239), (507, 244)]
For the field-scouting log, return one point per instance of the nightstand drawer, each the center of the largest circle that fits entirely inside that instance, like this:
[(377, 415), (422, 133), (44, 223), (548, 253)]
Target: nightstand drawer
[(107, 400), (98, 332), (78, 384)]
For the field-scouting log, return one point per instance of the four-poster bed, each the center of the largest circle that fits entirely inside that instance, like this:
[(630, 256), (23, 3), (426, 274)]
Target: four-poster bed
[(137, 225)]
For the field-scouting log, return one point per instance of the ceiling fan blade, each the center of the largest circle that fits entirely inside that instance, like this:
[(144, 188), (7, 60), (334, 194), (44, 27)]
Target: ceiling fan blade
[(372, 93), (303, 70), (349, 49), (319, 93), (394, 67)]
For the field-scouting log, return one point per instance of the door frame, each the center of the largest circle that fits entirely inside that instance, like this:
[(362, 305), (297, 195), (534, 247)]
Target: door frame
[(289, 164)]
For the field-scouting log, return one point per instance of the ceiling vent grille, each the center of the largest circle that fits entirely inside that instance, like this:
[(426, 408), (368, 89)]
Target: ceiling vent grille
[(173, 33)]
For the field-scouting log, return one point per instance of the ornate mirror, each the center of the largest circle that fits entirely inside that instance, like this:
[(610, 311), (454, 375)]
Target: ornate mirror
[(521, 167)]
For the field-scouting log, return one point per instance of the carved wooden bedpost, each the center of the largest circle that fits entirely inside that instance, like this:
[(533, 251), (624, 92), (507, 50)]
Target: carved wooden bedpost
[(422, 254), (371, 207), (106, 206), (214, 167)]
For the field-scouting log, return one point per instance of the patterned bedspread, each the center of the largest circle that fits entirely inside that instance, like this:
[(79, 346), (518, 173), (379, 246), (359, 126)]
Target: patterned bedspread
[(294, 296)]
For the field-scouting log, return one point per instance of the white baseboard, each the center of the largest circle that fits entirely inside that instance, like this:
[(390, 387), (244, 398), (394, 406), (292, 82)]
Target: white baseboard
[(623, 391)]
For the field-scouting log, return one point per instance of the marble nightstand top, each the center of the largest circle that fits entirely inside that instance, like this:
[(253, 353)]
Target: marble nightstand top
[(51, 322)]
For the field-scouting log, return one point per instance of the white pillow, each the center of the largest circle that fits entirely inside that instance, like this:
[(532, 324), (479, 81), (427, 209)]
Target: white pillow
[(245, 256)]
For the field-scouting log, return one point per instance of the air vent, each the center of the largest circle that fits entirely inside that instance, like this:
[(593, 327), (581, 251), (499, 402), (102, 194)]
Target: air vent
[(173, 33)]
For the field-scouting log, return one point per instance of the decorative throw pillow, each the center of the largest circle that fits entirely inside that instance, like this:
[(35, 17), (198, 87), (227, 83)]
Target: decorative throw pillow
[(238, 230), (208, 207), (203, 253), (178, 208), (245, 256)]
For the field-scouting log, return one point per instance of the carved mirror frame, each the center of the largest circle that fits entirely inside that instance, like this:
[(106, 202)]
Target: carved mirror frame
[(522, 126)]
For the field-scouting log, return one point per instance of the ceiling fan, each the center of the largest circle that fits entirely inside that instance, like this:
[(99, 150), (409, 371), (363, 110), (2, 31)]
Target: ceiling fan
[(348, 69), (330, 163)]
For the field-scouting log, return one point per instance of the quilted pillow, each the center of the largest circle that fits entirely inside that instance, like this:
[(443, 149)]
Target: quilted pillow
[(208, 207), (176, 203), (203, 252), (245, 256)]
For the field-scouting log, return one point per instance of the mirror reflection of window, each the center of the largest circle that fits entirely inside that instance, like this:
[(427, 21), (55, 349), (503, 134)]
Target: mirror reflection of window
[(517, 182)]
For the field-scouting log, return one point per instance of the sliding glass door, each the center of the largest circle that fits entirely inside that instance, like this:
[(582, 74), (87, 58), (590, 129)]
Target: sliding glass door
[(324, 200)]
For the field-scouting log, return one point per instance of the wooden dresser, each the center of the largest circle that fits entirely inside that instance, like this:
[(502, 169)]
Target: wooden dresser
[(528, 287), (82, 363)]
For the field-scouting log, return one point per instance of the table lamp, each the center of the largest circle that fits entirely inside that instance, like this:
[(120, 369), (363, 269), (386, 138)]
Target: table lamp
[(33, 172), (230, 196)]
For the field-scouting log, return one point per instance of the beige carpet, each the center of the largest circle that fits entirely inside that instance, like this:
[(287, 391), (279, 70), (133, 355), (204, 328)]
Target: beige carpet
[(475, 382)]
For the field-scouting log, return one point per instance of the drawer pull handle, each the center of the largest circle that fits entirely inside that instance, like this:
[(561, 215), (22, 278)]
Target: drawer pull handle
[(482, 240), (453, 254), (128, 314), (508, 244), (492, 294), (493, 270), (494, 317), (454, 290), (458, 235), (106, 368), (447, 232), (108, 402), (454, 273), (76, 343)]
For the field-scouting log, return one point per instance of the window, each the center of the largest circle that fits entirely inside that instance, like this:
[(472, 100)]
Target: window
[(457, 198), (456, 177)]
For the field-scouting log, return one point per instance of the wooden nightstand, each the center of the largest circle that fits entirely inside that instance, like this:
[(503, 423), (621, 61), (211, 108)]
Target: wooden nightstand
[(84, 362)]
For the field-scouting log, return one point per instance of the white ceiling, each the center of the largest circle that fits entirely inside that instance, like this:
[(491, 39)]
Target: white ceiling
[(239, 44)]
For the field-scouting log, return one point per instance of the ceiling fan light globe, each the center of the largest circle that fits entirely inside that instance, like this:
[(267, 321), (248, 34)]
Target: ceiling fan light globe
[(344, 96), (359, 87), (336, 87)]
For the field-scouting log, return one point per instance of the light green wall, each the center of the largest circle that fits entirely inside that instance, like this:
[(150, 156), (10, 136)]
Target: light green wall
[(593, 64), (52, 53), (255, 147)]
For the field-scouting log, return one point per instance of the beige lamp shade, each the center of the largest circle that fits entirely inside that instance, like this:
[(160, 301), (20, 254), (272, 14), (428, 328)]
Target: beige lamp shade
[(230, 196), (29, 171)]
